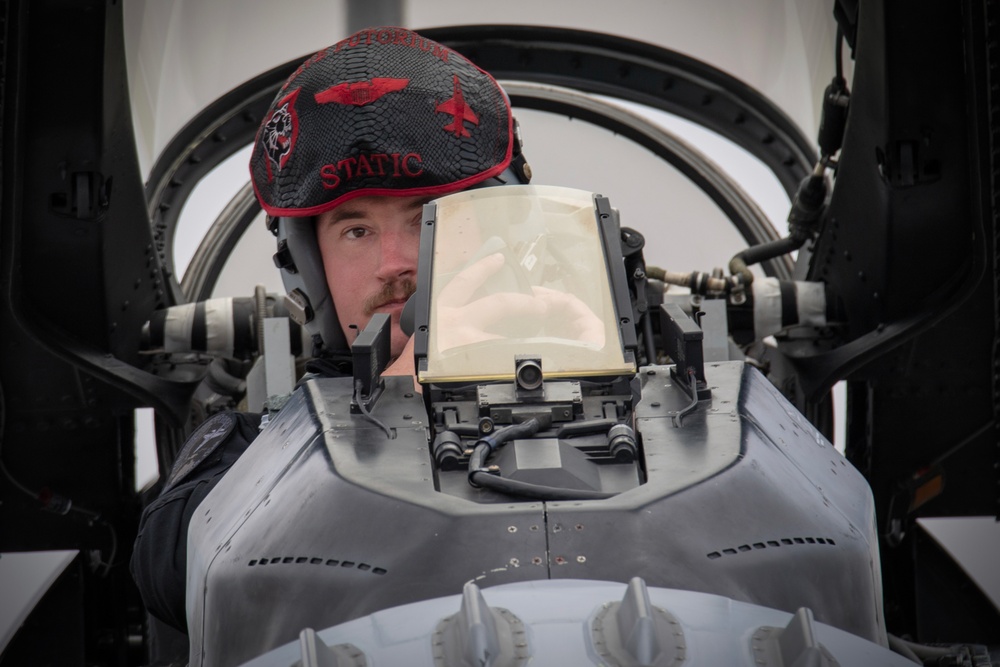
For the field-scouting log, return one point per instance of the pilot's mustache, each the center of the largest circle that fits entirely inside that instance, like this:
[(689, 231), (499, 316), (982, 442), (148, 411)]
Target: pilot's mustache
[(396, 290)]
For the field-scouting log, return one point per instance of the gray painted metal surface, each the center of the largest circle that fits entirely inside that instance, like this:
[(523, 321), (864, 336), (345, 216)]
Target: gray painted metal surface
[(325, 519), (565, 624)]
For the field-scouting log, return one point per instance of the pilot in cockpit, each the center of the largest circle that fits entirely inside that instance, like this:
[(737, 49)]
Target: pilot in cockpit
[(359, 138)]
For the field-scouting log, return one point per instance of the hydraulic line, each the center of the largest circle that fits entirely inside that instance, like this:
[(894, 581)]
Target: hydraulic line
[(487, 477)]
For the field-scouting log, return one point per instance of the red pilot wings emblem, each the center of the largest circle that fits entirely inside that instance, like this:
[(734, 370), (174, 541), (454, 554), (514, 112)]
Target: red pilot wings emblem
[(360, 93), (460, 112)]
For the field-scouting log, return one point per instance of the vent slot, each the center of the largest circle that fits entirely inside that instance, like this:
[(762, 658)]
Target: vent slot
[(312, 560), (770, 544)]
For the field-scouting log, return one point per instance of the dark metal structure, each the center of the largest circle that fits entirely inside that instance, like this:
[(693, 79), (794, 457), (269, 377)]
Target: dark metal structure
[(908, 243)]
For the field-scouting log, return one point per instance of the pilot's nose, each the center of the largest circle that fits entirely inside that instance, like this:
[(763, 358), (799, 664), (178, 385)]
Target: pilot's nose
[(399, 252)]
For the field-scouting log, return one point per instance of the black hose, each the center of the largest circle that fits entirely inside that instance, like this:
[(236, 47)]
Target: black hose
[(499, 437), (481, 476), (492, 441), (760, 253), (477, 461), (807, 206)]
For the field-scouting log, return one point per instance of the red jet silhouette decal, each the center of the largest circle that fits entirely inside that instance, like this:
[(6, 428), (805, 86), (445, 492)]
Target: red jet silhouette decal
[(460, 112), (360, 93)]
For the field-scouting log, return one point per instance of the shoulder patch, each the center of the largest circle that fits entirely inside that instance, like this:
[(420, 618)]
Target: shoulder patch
[(212, 432)]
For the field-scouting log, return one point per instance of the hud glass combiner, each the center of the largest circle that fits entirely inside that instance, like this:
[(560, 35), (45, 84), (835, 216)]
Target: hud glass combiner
[(521, 271)]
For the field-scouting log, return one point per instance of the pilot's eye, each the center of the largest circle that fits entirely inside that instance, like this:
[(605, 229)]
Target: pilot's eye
[(356, 232)]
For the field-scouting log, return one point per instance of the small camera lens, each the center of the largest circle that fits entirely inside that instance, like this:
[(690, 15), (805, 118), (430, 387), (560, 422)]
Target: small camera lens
[(529, 374)]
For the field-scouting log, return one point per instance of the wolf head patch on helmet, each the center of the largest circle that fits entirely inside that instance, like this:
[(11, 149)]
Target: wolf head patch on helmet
[(383, 112)]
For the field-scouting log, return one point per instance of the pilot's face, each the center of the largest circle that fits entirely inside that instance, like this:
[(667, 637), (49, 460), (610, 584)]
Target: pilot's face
[(370, 248)]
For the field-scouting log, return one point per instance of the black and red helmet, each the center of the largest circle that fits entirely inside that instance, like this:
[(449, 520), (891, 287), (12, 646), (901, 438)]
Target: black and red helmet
[(383, 112)]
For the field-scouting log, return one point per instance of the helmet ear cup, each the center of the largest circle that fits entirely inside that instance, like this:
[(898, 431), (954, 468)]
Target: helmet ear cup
[(302, 273)]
